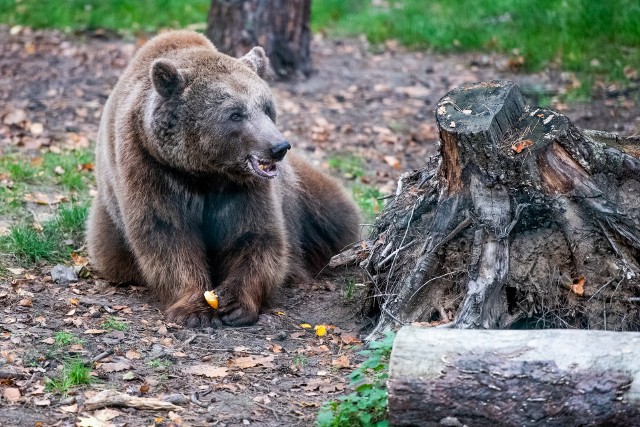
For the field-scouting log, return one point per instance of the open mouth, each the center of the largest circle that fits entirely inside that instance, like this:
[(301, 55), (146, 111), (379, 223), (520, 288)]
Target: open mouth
[(263, 168)]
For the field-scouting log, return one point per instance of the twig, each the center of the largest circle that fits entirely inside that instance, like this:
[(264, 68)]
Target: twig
[(102, 355), (195, 400), (599, 289), (394, 253), (509, 228), (432, 279), (464, 224), (6, 375), (275, 413), (406, 231), (108, 398)]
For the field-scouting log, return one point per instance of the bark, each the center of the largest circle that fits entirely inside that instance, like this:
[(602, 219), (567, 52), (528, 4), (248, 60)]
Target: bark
[(523, 221), (514, 378), (281, 27)]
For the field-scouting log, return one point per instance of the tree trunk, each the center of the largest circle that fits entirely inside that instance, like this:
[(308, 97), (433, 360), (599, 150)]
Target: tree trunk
[(514, 378), (523, 221), (281, 27)]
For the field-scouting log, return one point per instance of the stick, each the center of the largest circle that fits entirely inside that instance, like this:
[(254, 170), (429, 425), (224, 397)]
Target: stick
[(107, 398)]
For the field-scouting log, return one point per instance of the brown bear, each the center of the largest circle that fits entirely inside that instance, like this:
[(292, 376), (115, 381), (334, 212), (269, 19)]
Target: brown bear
[(195, 192)]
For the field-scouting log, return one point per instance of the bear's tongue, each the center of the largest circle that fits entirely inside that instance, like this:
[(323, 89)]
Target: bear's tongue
[(262, 168)]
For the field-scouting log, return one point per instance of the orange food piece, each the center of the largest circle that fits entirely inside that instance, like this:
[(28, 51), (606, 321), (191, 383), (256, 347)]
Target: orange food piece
[(212, 299), (519, 146), (577, 287)]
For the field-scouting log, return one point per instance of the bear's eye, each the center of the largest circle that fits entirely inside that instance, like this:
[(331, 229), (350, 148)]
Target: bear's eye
[(236, 117)]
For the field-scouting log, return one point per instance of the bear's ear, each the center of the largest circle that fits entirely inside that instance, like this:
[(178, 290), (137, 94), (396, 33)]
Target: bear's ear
[(257, 60), (166, 78)]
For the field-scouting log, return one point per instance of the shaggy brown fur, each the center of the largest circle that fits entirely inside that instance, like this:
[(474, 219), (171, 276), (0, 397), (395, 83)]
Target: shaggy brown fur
[(194, 191)]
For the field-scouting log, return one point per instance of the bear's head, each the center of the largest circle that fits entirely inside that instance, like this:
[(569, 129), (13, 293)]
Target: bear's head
[(209, 113)]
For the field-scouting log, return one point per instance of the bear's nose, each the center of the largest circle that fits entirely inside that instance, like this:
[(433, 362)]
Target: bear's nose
[(279, 150)]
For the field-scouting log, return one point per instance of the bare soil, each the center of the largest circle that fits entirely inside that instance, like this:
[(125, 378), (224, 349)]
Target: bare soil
[(374, 102)]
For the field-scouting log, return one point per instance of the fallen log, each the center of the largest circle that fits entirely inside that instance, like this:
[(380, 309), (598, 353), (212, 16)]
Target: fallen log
[(523, 221), (477, 378)]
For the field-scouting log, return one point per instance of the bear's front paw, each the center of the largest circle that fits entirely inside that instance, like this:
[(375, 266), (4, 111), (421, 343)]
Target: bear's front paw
[(192, 314), (241, 316)]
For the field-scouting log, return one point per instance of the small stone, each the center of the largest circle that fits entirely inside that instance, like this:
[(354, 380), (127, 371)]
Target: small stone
[(176, 398), (451, 422), (63, 275), (281, 336)]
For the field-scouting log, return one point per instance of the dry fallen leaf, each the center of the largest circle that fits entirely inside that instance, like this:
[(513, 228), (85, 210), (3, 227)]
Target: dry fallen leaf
[(26, 302), (305, 325), (71, 408), (95, 331), (341, 362), (209, 371), (11, 394), (115, 367), (392, 161), (132, 354), (251, 361), (349, 339)]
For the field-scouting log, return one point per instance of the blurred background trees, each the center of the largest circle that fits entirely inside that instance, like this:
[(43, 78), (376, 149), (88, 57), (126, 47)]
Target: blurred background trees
[(281, 27), (598, 41)]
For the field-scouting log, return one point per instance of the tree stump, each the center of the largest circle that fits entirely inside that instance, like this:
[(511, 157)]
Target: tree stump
[(523, 220), (514, 378), (281, 27)]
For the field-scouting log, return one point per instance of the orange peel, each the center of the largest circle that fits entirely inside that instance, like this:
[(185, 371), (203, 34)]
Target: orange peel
[(212, 299)]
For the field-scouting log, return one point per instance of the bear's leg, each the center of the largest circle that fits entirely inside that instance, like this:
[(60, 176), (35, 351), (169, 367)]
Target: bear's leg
[(164, 233), (254, 271), (108, 251), (330, 220)]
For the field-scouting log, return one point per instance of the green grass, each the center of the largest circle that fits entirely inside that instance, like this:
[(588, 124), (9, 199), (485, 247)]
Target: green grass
[(159, 364), (31, 245), (113, 324), (69, 171), (367, 197), (349, 289), (574, 35), (74, 373), (63, 338), (141, 15), (596, 39), (300, 361), (367, 405)]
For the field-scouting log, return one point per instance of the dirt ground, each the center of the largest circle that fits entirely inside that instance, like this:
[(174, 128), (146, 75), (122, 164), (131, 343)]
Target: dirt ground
[(373, 102)]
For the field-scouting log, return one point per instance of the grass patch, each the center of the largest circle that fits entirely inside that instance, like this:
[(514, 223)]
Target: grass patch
[(349, 166), (595, 39), (22, 176), (63, 338), (367, 405), (71, 218), (31, 245), (159, 364), (300, 361), (113, 324), (367, 197), (142, 15), (349, 290), (74, 373)]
